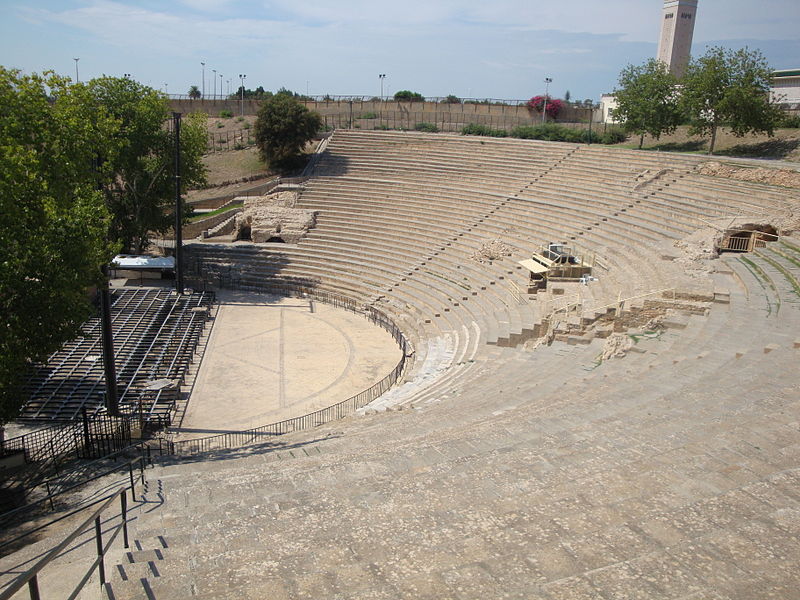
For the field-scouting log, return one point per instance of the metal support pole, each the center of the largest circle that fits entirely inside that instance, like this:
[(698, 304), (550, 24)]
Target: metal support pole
[(98, 532), (133, 490), (87, 440), (178, 207), (112, 400), (33, 588), (124, 510)]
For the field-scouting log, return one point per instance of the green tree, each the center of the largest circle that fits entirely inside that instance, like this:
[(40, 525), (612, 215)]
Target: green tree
[(567, 96), (139, 181), (731, 88), (195, 93), (409, 96), (647, 100), (53, 221), (283, 127)]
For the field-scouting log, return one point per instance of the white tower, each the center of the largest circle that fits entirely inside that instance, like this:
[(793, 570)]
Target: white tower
[(677, 29)]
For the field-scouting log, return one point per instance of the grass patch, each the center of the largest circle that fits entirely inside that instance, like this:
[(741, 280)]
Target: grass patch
[(219, 211)]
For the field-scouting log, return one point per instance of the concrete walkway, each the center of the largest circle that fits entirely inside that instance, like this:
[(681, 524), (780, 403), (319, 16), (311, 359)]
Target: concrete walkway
[(271, 358)]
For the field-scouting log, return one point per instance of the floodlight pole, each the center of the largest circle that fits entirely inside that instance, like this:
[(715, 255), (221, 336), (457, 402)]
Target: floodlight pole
[(214, 97), (112, 400), (77, 78), (241, 89), (382, 76), (203, 82), (547, 82), (176, 117)]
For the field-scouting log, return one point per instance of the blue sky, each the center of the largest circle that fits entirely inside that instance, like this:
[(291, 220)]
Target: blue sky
[(471, 48)]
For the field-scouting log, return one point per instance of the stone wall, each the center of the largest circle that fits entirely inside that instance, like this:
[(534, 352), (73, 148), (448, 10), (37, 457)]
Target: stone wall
[(392, 110), (196, 228)]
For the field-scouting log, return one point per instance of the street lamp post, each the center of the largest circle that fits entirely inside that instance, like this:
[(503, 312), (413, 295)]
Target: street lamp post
[(547, 82), (214, 97), (77, 78), (221, 93), (203, 82), (241, 89), (382, 76)]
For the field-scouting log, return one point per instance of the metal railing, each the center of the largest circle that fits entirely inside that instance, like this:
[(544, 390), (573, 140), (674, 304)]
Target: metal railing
[(339, 410), (320, 98), (91, 437), (30, 578), (37, 444), (142, 460)]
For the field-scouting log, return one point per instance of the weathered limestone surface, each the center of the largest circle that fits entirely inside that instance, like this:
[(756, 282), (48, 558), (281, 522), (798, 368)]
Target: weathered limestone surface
[(274, 216)]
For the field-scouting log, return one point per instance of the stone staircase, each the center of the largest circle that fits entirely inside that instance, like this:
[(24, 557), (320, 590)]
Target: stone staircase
[(494, 469)]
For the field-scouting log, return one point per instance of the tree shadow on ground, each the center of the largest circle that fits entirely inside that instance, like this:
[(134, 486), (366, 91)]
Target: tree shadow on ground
[(687, 146), (768, 149)]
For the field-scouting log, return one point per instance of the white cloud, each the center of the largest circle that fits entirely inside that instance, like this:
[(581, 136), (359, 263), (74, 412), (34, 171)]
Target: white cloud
[(154, 32), (212, 6)]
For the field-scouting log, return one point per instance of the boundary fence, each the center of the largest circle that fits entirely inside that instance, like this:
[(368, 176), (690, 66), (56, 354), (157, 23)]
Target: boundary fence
[(238, 139), (320, 417)]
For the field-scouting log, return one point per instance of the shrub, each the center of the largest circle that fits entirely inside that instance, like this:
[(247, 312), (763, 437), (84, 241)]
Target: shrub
[(409, 96), (239, 119), (554, 105), (484, 130), (426, 127), (452, 99), (369, 115), (791, 121), (614, 135), (220, 125), (225, 114), (381, 127), (548, 131), (246, 126)]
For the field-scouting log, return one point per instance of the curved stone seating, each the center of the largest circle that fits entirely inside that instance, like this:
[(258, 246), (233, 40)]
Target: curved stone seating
[(671, 473)]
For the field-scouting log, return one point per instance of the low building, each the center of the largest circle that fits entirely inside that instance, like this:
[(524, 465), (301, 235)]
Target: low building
[(608, 102), (786, 86)]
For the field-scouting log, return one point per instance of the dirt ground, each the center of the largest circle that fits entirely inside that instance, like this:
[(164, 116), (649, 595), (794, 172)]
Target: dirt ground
[(784, 145), (217, 124), (233, 165)]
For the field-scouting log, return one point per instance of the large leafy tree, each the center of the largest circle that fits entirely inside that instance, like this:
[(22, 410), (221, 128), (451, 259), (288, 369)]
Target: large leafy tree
[(283, 127), (647, 100), (731, 88), (139, 174), (53, 221)]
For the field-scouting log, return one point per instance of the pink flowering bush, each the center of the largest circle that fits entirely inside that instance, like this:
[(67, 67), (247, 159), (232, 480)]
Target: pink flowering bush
[(554, 105)]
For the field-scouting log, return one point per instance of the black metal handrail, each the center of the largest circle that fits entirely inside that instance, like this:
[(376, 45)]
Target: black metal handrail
[(31, 576), (142, 460), (35, 442), (339, 410)]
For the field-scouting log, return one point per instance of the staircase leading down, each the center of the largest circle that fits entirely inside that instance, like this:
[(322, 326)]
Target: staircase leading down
[(500, 468)]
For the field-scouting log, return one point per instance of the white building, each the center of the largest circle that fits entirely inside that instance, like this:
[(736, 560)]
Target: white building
[(786, 86), (608, 102), (677, 31)]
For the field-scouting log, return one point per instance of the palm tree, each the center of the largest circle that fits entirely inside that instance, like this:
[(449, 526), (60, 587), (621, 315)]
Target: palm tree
[(194, 93)]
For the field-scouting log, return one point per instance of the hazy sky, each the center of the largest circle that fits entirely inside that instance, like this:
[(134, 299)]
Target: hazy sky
[(471, 48)]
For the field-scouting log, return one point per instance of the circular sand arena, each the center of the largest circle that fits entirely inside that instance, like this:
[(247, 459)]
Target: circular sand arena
[(271, 358)]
